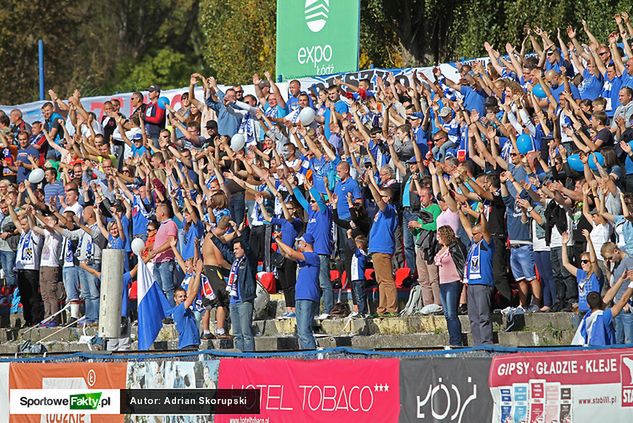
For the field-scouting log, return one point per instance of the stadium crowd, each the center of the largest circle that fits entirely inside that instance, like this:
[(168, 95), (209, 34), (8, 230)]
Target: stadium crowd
[(511, 186)]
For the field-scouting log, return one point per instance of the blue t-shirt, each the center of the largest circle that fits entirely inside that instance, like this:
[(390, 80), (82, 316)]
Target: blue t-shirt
[(196, 230), (585, 286), (590, 87), (140, 217), (125, 223), (289, 230), (473, 100), (479, 264), (340, 107), (382, 235), (308, 278), (23, 157), (627, 232), (186, 326), (602, 331), (320, 226), (611, 91), (341, 189), (320, 168)]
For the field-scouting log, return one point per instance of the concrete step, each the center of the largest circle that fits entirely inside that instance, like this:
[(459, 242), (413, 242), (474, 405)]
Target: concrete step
[(537, 322), (385, 342)]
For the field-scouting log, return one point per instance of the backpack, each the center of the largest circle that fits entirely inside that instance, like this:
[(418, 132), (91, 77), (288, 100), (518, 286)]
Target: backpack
[(414, 303), (340, 310)]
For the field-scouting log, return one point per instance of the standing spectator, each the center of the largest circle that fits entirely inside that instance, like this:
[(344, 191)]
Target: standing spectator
[(450, 261), (27, 265), (154, 115), (162, 255), (91, 242), (588, 277), (9, 235), (52, 290), (382, 247), (307, 292), (26, 154), (426, 245), (622, 265), (229, 119), (480, 278), (188, 335)]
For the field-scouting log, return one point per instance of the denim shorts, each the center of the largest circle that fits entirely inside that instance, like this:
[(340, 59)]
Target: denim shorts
[(522, 263)]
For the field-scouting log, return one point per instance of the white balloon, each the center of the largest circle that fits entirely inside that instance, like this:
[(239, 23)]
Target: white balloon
[(306, 116), (36, 176), (237, 142), (137, 246)]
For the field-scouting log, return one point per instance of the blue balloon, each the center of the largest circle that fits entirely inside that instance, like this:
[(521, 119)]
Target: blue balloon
[(592, 160), (525, 144), (538, 91), (575, 163), (162, 102)]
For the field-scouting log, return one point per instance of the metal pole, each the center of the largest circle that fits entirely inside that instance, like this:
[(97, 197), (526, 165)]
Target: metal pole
[(40, 65)]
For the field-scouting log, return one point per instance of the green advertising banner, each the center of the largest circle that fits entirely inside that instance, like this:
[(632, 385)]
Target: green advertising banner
[(317, 37)]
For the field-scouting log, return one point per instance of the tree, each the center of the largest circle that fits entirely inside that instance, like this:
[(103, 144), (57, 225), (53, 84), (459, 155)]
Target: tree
[(239, 37)]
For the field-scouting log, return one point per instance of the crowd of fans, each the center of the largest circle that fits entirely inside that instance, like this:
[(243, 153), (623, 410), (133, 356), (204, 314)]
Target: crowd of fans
[(512, 186)]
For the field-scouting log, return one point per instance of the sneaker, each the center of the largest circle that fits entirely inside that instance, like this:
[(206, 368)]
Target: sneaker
[(168, 321), (323, 316), (283, 316), (533, 309), (206, 336), (463, 309), (545, 309), (72, 322), (51, 324), (291, 315), (431, 309), (354, 314)]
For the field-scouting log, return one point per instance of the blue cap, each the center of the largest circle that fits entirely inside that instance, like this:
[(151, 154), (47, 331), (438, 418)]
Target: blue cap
[(307, 238)]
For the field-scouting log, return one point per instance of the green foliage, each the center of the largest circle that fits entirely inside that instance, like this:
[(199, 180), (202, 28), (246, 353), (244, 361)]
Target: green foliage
[(168, 68), (239, 37)]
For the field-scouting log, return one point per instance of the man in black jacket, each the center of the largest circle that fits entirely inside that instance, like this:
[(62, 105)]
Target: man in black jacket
[(242, 288)]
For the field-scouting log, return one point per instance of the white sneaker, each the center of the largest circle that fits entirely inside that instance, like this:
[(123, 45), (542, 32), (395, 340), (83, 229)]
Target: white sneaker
[(354, 314), (323, 316)]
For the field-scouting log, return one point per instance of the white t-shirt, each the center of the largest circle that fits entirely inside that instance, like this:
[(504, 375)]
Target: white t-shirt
[(50, 250), (75, 208), (29, 249), (538, 244), (556, 239), (599, 235)]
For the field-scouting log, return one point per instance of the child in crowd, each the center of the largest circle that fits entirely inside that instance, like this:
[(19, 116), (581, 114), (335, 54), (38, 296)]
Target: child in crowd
[(357, 276)]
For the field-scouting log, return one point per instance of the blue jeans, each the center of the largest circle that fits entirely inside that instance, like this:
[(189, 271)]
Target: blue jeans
[(409, 240), (237, 207), (70, 276), (449, 294), (305, 310), (7, 262), (90, 293), (241, 320), (324, 282), (624, 328), (358, 290), (164, 275), (544, 266)]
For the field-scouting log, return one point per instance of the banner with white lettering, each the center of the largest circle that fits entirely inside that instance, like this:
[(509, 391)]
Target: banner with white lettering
[(75, 379), (563, 386), (316, 390), (32, 111), (445, 390)]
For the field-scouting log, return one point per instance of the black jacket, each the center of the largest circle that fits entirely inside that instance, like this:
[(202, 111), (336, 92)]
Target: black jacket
[(246, 281)]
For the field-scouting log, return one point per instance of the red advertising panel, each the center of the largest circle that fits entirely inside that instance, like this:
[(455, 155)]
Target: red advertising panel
[(317, 390)]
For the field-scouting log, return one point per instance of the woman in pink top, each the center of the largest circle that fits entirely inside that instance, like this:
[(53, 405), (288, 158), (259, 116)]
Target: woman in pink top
[(450, 261)]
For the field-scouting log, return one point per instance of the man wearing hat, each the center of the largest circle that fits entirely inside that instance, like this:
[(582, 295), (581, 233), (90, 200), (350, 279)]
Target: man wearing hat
[(154, 114), (307, 290)]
